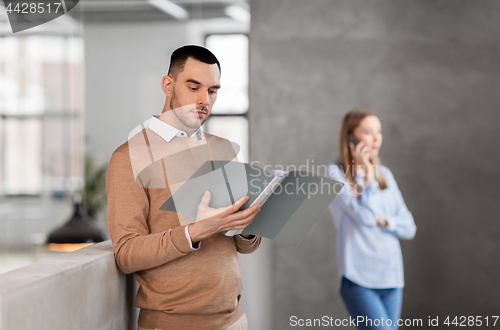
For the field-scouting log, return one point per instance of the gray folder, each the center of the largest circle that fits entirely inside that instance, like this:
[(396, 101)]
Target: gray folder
[(288, 214)]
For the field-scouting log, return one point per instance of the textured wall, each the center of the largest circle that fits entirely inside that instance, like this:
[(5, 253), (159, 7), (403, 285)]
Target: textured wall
[(430, 69)]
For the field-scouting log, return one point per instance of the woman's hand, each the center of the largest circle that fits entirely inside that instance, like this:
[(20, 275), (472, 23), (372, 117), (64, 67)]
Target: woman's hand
[(362, 155), (381, 222)]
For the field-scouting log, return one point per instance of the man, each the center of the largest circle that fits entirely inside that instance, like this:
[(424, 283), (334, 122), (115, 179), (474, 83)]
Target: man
[(187, 269)]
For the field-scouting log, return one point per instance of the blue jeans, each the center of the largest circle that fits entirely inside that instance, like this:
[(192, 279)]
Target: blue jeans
[(372, 305)]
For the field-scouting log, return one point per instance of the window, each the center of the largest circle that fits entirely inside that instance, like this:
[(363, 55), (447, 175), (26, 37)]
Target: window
[(229, 114), (41, 114)]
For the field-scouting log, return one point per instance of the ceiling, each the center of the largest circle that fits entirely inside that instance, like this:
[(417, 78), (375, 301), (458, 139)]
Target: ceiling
[(111, 11), (108, 11)]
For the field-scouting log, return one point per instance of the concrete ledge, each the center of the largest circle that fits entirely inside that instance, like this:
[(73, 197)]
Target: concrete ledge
[(78, 290)]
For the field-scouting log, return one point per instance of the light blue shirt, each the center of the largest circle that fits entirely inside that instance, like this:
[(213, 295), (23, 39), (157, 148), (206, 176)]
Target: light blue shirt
[(370, 255)]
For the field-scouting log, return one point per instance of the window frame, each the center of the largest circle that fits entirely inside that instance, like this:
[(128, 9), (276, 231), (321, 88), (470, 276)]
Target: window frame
[(233, 115)]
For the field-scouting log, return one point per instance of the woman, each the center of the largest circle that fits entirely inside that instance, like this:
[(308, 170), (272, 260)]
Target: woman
[(370, 215)]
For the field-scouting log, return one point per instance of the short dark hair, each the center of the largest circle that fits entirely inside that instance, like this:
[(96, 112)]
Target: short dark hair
[(180, 56)]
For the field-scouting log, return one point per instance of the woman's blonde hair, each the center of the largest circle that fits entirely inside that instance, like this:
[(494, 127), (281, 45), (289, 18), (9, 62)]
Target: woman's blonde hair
[(350, 122)]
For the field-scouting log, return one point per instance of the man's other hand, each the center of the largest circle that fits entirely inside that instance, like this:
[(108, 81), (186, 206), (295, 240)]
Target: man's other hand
[(210, 221)]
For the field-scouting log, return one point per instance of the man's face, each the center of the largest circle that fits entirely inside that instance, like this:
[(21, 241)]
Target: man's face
[(194, 92)]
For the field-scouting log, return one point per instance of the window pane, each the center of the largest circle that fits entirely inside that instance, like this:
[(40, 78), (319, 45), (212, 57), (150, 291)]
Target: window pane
[(41, 104), (23, 149), (232, 52), (235, 129), (9, 87)]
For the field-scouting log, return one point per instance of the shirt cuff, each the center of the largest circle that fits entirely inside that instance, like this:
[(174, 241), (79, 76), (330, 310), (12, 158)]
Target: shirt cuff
[(391, 224), (193, 246), (251, 237)]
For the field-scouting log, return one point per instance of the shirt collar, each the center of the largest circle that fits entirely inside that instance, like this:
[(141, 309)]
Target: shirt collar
[(168, 132)]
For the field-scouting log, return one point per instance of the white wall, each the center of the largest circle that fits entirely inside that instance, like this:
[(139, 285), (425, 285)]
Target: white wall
[(23, 219), (124, 65)]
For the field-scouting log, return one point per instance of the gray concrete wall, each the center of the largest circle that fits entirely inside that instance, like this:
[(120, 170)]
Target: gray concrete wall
[(79, 290), (430, 69)]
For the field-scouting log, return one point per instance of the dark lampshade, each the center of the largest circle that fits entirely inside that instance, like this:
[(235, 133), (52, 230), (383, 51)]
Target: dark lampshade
[(77, 232)]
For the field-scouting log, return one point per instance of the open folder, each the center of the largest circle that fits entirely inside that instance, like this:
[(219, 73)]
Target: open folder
[(291, 201)]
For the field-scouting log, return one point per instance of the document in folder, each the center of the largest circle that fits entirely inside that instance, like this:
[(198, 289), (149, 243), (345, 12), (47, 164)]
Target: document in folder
[(291, 201)]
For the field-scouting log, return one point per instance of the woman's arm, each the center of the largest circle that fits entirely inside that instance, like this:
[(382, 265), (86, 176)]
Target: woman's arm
[(400, 223), (356, 209)]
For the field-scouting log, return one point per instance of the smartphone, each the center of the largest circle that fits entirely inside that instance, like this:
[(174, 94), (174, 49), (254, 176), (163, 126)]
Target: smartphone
[(351, 138)]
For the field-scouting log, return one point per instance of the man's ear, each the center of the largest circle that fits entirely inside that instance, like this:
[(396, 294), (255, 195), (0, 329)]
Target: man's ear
[(166, 85)]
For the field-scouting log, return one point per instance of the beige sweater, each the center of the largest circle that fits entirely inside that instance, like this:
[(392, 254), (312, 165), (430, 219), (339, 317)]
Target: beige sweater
[(180, 287)]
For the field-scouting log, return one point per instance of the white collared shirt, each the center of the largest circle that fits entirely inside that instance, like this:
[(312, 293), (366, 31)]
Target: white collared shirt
[(168, 132)]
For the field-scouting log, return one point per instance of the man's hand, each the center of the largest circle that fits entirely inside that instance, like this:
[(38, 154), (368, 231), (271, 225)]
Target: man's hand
[(210, 221)]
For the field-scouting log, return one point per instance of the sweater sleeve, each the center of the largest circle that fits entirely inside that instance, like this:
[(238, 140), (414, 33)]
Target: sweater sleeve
[(135, 248), (246, 246)]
